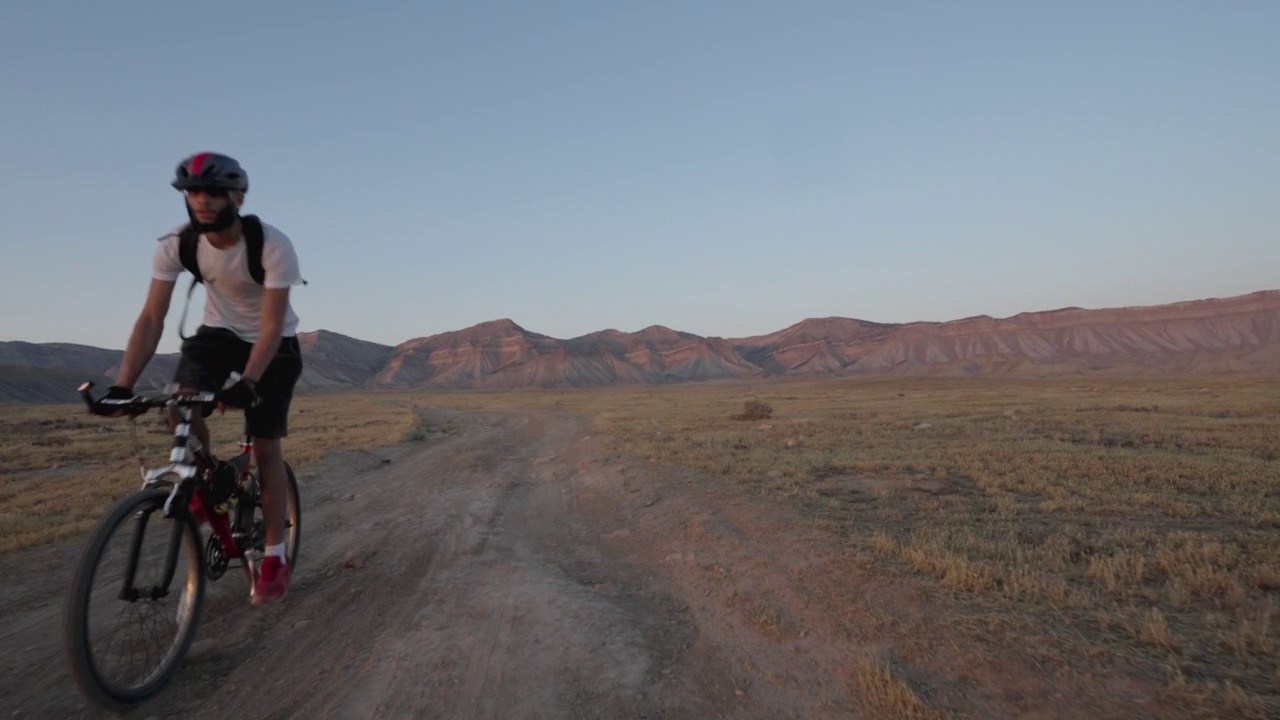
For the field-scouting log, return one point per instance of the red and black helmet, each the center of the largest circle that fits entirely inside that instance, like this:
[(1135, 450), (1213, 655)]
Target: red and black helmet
[(210, 170)]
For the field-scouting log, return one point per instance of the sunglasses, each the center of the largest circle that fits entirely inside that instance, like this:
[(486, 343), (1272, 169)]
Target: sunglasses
[(211, 192)]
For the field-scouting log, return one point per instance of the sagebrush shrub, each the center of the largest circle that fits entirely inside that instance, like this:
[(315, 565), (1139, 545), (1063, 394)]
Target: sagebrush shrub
[(755, 410)]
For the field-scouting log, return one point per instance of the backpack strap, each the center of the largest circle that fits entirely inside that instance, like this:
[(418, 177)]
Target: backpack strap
[(253, 241), (189, 240)]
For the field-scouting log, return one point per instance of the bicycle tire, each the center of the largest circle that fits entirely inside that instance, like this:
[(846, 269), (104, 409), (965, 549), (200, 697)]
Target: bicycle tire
[(91, 653), (292, 517)]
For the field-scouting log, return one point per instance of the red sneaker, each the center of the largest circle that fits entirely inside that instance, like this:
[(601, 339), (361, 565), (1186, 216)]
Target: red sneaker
[(272, 582)]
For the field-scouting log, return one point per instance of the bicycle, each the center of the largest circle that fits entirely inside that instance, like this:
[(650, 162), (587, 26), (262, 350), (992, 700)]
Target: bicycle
[(132, 611)]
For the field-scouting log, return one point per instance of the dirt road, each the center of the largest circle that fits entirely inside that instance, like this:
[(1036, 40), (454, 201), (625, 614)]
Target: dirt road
[(506, 568)]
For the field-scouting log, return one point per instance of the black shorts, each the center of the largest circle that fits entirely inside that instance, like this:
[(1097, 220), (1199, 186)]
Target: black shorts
[(212, 354)]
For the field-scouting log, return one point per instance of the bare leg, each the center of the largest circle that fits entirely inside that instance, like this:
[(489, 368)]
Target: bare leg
[(269, 455)]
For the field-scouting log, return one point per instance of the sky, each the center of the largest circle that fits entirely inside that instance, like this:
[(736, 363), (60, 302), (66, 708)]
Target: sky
[(721, 168)]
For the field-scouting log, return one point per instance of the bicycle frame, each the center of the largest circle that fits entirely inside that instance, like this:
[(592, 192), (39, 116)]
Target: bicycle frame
[(189, 460)]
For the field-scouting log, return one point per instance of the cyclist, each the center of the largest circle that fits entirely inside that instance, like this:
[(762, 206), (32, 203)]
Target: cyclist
[(246, 348)]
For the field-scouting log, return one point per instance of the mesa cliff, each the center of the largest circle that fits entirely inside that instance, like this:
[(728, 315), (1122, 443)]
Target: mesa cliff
[(1218, 335)]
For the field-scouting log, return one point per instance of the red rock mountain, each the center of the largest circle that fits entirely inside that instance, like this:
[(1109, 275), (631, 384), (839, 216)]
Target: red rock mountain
[(501, 354), (1239, 334), (1232, 334)]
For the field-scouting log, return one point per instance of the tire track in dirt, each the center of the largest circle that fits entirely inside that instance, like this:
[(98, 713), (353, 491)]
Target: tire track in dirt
[(434, 638), (436, 579)]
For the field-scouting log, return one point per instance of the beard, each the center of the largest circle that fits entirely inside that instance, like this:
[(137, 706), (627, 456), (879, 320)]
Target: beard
[(226, 218)]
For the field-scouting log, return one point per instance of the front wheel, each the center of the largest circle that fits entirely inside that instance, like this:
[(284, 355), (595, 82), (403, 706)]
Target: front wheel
[(134, 602)]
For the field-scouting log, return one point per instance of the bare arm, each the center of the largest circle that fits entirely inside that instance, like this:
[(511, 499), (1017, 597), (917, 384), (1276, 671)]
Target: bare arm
[(275, 301), (146, 333)]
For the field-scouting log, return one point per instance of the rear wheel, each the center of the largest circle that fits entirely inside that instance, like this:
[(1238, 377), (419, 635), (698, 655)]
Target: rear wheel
[(292, 519), (256, 528), (135, 601)]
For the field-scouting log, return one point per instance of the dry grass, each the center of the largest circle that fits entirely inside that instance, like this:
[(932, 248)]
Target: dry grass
[(61, 468), (882, 694), (1136, 519), (1131, 518)]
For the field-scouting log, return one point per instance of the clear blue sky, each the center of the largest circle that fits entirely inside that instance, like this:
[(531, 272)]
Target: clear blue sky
[(721, 168)]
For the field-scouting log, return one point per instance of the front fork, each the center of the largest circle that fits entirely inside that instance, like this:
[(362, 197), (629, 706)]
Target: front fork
[(128, 590)]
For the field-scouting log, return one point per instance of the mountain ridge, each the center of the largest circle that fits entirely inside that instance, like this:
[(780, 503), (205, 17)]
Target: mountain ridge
[(1214, 335)]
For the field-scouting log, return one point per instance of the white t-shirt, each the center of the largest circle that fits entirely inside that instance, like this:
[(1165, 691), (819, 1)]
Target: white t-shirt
[(234, 300)]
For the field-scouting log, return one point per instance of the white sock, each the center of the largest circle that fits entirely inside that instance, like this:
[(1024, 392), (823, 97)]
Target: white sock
[(276, 550)]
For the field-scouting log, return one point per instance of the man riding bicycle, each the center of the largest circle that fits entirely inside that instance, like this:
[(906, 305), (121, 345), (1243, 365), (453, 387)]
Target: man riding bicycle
[(246, 348)]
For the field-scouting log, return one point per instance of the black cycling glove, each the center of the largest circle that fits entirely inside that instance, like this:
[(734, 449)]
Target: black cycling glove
[(243, 394), (115, 392)]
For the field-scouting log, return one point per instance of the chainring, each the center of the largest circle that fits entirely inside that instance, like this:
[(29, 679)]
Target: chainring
[(215, 560)]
